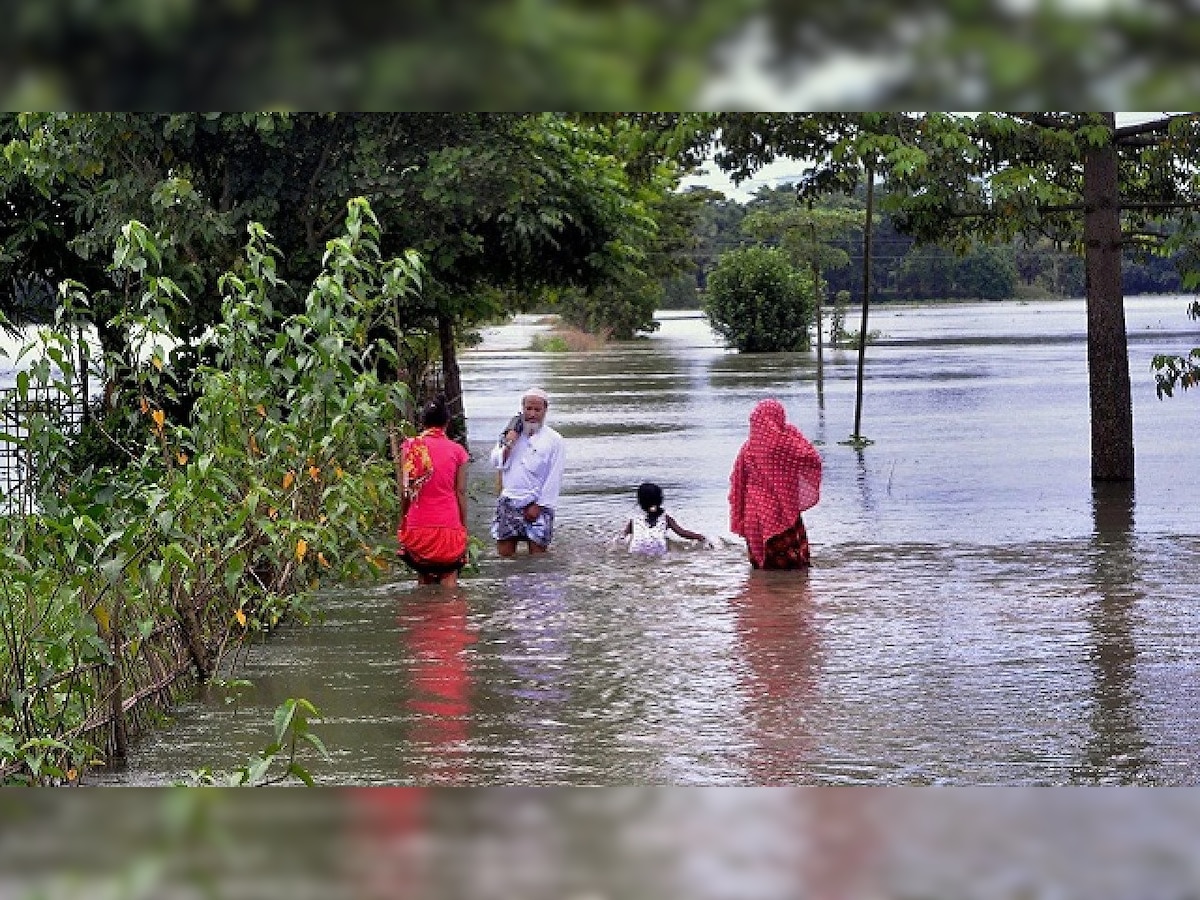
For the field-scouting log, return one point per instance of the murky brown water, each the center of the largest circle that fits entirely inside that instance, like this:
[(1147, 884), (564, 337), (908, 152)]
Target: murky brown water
[(977, 613)]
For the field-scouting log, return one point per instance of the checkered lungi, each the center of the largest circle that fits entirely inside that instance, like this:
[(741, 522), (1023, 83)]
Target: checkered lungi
[(509, 524)]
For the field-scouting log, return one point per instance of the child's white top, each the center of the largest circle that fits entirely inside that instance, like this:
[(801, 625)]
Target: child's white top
[(647, 540)]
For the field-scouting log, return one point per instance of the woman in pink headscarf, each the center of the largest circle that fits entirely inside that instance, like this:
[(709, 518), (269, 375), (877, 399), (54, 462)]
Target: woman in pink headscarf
[(776, 477)]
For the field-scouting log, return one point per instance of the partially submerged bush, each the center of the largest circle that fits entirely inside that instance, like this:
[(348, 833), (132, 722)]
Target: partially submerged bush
[(758, 302)]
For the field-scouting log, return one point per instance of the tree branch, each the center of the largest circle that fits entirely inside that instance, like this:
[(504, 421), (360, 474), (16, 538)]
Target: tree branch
[(1063, 207), (1155, 126), (1164, 205)]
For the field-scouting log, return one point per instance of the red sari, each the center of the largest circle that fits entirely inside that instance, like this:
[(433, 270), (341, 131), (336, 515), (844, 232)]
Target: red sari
[(775, 478)]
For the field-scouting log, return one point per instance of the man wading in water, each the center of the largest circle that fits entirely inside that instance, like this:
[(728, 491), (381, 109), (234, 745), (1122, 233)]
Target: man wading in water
[(530, 457)]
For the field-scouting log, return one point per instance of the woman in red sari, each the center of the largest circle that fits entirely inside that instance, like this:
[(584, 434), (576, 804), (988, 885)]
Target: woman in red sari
[(433, 508), (776, 477)]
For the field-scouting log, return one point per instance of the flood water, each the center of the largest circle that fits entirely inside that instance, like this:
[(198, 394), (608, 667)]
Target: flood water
[(977, 612)]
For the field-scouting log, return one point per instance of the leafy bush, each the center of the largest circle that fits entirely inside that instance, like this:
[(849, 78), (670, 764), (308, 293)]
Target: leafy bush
[(619, 311), (758, 302), (213, 527)]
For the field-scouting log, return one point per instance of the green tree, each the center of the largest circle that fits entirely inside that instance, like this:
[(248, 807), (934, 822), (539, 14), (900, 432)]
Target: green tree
[(986, 273), (806, 233), (659, 254), (499, 206), (926, 273), (718, 230), (758, 302)]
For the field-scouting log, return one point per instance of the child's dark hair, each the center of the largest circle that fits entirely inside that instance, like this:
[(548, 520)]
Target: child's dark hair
[(650, 498), (434, 414)]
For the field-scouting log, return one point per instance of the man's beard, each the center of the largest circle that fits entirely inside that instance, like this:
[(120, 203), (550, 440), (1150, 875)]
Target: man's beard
[(532, 428)]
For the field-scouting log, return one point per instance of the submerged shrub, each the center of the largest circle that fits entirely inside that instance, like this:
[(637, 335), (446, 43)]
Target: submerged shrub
[(757, 302)]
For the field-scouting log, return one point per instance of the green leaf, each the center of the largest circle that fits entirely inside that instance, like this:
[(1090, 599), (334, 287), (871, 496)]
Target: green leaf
[(298, 771), (319, 744), (284, 715), (113, 568)]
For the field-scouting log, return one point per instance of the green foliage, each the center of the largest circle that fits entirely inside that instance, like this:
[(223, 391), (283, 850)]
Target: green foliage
[(838, 336), (806, 232), (758, 303), (553, 343), (1172, 370), (656, 248), (278, 762), (215, 525), (501, 208), (986, 273)]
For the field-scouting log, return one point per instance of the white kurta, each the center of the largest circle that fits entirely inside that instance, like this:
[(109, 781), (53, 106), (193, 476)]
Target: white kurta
[(534, 469)]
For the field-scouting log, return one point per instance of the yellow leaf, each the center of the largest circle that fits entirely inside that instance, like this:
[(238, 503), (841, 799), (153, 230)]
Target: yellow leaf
[(272, 512), (72, 774), (157, 363), (253, 445), (315, 473), (262, 410), (182, 457), (288, 480), (340, 472), (101, 615), (241, 618), (159, 418), (322, 560), (301, 549), (144, 405)]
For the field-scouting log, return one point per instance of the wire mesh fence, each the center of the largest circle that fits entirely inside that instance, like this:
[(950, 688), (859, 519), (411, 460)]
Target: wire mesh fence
[(20, 418)]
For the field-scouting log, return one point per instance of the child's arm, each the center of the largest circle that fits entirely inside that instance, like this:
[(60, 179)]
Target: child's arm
[(628, 528), (683, 532)]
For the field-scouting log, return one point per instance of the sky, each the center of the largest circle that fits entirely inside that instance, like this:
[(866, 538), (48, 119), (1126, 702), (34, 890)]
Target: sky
[(779, 172)]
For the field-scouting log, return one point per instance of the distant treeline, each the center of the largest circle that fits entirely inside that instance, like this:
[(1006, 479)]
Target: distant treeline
[(901, 270)]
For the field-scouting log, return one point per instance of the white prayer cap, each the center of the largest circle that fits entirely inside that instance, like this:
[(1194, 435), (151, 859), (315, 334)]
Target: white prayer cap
[(538, 393)]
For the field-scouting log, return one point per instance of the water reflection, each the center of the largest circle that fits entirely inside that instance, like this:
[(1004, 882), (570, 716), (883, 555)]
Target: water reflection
[(1116, 748), (435, 631), (538, 653), (863, 479), (820, 379), (781, 652)]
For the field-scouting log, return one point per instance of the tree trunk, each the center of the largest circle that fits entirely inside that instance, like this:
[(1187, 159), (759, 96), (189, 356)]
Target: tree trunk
[(817, 304), (1108, 351), (452, 381), (866, 302)]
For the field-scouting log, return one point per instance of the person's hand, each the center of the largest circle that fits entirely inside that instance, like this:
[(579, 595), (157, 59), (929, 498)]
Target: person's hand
[(510, 437), (532, 511)]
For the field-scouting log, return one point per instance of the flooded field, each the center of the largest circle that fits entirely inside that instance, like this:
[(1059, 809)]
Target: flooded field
[(977, 613)]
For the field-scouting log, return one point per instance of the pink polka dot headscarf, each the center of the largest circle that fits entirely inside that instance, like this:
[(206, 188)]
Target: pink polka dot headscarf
[(777, 475)]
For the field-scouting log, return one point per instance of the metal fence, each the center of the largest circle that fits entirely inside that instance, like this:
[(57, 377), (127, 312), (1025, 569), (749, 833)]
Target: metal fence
[(17, 459)]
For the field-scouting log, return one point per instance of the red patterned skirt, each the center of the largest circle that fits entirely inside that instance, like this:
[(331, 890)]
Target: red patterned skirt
[(787, 550), (434, 549)]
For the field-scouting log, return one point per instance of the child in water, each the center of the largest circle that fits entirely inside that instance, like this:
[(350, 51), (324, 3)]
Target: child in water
[(648, 535)]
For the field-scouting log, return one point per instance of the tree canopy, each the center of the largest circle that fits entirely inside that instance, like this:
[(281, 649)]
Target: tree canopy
[(499, 206)]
